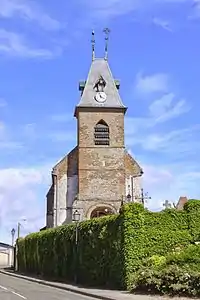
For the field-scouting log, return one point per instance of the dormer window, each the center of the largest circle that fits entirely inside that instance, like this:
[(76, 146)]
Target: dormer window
[(101, 133)]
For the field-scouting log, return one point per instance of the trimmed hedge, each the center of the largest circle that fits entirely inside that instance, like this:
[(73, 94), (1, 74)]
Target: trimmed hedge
[(52, 253), (110, 249)]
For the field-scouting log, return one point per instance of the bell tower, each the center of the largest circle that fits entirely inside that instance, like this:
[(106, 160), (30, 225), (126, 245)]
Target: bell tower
[(100, 133)]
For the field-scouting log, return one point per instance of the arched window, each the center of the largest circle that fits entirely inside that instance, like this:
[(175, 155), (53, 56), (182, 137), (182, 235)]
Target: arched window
[(101, 133)]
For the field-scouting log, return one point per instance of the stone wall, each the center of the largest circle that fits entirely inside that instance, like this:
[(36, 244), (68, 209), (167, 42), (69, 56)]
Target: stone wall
[(88, 120), (101, 168)]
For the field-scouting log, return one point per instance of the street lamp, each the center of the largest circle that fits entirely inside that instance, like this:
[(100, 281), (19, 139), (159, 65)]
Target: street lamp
[(76, 216), (128, 197), (76, 219), (16, 250), (13, 235)]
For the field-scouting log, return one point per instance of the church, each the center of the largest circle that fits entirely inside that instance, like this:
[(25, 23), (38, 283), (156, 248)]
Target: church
[(99, 174)]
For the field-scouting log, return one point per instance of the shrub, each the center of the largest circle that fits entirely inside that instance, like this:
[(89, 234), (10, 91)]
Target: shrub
[(111, 249), (172, 280), (189, 256), (156, 261)]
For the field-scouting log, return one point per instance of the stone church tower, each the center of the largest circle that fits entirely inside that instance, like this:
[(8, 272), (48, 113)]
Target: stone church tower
[(98, 173)]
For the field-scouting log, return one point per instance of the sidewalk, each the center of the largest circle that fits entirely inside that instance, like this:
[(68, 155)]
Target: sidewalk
[(95, 293)]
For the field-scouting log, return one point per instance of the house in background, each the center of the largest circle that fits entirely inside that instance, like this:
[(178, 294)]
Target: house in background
[(181, 203), (6, 255)]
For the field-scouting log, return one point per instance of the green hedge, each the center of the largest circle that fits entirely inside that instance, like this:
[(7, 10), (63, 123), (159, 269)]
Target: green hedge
[(52, 253), (110, 249)]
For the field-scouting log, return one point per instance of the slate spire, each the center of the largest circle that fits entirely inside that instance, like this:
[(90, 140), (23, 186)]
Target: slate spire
[(100, 89)]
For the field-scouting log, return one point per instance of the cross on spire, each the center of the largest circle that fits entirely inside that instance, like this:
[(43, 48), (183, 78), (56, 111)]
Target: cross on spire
[(143, 196), (167, 204), (93, 45), (107, 32)]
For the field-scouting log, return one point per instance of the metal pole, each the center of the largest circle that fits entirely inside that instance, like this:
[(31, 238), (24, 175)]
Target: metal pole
[(13, 236), (76, 254), (76, 241), (132, 191), (142, 196), (16, 253), (18, 230)]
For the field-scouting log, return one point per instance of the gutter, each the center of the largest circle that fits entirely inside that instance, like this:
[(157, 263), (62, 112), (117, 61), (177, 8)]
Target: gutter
[(55, 200)]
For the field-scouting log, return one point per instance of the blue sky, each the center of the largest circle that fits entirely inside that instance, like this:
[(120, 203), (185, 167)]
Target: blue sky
[(45, 50)]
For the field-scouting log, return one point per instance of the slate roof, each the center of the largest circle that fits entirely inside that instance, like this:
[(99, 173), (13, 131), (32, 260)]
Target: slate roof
[(3, 245), (100, 68)]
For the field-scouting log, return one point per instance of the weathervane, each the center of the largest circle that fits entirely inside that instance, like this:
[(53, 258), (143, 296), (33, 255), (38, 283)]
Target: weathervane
[(107, 32), (93, 45)]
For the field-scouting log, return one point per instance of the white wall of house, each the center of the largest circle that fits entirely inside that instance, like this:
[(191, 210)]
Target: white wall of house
[(62, 200), (133, 186), (72, 189), (6, 257)]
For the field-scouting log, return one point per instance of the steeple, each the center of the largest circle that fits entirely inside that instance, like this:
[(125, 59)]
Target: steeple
[(100, 89)]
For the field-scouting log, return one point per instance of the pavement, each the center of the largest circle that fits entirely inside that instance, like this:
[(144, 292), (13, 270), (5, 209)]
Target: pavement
[(14, 286)]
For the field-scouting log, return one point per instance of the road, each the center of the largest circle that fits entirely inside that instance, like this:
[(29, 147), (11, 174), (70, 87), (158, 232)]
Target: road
[(12, 288)]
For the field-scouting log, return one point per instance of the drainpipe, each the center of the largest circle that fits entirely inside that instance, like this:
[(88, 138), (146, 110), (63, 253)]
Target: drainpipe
[(55, 202), (133, 198)]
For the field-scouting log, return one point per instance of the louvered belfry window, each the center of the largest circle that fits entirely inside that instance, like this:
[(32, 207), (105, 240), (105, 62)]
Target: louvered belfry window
[(101, 133)]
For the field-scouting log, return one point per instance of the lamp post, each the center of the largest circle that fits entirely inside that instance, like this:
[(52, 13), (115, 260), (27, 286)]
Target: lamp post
[(19, 227), (76, 219), (16, 250), (13, 235), (128, 197)]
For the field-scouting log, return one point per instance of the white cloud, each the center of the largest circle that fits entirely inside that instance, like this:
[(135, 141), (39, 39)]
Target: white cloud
[(30, 131), (3, 102), (145, 131), (168, 154), (195, 14), (169, 182), (62, 136), (111, 8), (13, 44), (166, 108), (6, 142), (28, 10), (180, 142), (2, 130), (107, 9), (146, 84), (21, 197), (62, 117), (162, 23)]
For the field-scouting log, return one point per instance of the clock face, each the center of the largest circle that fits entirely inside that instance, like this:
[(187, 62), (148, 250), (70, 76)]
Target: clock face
[(100, 97)]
